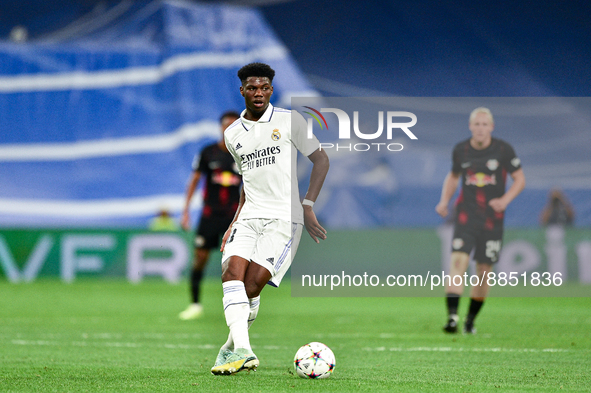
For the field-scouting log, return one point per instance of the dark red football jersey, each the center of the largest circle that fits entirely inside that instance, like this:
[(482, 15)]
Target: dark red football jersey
[(222, 181), (484, 174)]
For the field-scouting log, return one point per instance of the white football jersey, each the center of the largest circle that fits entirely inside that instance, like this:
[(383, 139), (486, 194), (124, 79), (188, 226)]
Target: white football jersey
[(266, 154)]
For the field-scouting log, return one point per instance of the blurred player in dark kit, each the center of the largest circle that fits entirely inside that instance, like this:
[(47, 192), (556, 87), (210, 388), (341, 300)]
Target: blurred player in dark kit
[(482, 163), (220, 201)]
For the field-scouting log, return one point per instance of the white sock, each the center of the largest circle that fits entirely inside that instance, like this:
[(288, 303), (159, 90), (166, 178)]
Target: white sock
[(236, 310), (229, 344), (254, 309)]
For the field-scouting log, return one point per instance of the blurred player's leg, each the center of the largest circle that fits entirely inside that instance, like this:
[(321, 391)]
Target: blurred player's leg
[(459, 264), (195, 309), (478, 294)]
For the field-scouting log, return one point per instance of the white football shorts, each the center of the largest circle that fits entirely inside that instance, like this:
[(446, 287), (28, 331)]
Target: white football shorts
[(271, 243)]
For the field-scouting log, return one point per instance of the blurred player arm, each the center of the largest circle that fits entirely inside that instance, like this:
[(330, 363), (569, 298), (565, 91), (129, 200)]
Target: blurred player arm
[(191, 187), (229, 230), (570, 211), (319, 170), (450, 185), (500, 204)]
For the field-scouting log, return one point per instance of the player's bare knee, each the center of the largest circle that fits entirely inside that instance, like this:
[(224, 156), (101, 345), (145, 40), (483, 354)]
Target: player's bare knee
[(483, 268), (230, 274), (234, 269), (197, 265), (252, 289), (459, 262), (201, 257)]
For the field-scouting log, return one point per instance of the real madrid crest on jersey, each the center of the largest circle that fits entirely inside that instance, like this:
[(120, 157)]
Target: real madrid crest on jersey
[(276, 135)]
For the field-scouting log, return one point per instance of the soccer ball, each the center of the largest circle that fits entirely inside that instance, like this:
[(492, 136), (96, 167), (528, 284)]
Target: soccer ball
[(314, 360)]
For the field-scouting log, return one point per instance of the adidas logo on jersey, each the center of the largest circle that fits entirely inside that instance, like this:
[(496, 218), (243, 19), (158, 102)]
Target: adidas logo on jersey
[(271, 260), (238, 146)]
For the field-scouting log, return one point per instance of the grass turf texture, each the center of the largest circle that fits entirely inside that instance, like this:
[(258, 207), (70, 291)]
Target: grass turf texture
[(102, 335)]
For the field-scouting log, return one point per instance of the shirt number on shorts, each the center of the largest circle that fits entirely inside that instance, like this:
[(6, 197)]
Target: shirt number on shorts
[(231, 236), (492, 249)]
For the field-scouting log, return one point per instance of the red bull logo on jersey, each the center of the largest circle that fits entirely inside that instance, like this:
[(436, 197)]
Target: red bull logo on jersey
[(226, 179), (481, 179)]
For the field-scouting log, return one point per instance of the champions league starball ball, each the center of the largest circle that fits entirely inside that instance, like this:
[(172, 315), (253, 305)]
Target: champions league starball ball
[(314, 360)]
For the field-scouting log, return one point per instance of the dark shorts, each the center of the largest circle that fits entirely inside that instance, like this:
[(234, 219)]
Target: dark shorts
[(485, 243), (210, 231)]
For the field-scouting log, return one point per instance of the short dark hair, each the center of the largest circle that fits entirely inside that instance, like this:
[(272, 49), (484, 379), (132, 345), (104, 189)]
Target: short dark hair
[(229, 114), (256, 69)]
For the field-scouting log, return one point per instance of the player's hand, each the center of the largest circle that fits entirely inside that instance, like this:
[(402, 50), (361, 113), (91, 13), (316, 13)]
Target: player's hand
[(498, 204), (441, 209), (312, 225), (185, 221), (225, 238)]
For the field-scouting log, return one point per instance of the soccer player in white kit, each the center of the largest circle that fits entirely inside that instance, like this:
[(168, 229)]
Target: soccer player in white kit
[(263, 238)]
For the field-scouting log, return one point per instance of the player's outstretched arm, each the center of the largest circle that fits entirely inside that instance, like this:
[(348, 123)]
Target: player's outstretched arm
[(191, 186), (319, 170), (450, 184), (500, 204)]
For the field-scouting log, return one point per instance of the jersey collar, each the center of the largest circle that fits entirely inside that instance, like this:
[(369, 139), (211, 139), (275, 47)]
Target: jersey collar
[(265, 118)]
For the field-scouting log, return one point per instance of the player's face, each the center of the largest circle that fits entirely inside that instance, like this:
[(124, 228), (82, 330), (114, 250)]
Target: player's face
[(481, 127), (257, 93)]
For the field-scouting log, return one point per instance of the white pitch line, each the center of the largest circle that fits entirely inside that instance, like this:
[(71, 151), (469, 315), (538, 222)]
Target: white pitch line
[(35, 342), (462, 349), (119, 344), (277, 348)]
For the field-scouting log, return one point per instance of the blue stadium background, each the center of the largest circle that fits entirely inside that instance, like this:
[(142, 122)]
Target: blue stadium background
[(105, 103)]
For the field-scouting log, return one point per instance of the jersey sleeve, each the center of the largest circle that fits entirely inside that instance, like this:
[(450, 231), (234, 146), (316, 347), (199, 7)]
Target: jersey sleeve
[(510, 160), (299, 135), (199, 164), (456, 160), (235, 155)]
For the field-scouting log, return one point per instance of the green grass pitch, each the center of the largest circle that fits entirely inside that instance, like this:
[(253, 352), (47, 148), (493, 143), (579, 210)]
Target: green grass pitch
[(108, 335)]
